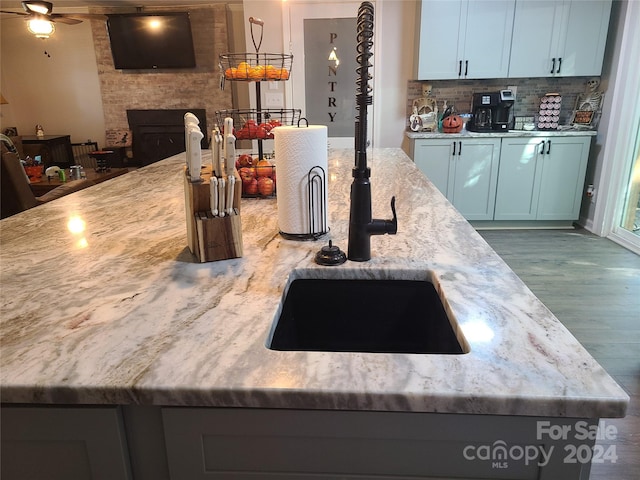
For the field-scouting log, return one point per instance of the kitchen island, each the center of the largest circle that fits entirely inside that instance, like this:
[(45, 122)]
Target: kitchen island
[(104, 307)]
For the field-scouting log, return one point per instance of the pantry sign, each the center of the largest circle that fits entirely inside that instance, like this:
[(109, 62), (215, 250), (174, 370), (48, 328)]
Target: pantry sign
[(330, 74)]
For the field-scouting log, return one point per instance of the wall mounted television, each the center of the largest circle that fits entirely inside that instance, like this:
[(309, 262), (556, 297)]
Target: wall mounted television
[(151, 40)]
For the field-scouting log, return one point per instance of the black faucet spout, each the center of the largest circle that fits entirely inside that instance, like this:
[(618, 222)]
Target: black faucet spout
[(361, 223)]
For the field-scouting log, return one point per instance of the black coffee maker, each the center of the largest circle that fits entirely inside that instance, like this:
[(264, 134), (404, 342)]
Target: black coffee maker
[(490, 111)]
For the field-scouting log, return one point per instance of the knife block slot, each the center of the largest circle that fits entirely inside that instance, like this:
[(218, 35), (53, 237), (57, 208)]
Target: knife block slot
[(211, 238)]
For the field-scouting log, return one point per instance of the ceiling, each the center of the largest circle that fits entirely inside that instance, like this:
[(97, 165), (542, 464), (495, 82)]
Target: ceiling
[(15, 4)]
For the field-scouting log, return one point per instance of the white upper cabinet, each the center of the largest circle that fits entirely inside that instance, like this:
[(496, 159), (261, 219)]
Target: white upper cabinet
[(463, 39), (559, 38)]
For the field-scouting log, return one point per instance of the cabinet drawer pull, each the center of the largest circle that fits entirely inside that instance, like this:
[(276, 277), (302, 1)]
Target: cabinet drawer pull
[(559, 65), (460, 68), (553, 65), (459, 148), (548, 147), (454, 149), (542, 149), (466, 67)]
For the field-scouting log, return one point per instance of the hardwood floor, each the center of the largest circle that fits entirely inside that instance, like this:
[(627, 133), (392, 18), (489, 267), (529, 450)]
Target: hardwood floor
[(593, 286)]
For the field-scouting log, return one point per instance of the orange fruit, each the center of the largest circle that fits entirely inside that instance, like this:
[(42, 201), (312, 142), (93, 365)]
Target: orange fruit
[(258, 72), (272, 72), (243, 70)]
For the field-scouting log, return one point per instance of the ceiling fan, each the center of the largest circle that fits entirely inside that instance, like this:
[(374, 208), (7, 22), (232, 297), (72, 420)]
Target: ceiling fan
[(40, 17)]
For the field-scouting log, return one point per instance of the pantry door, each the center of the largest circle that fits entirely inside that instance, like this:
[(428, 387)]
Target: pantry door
[(322, 38)]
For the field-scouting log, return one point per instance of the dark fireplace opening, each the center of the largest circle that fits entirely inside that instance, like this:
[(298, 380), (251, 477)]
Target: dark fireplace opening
[(159, 134)]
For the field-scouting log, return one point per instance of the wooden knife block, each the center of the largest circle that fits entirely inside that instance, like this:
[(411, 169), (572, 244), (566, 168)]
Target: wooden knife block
[(211, 238)]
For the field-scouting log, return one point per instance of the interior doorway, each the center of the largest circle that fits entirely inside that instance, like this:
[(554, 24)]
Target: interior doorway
[(329, 97)]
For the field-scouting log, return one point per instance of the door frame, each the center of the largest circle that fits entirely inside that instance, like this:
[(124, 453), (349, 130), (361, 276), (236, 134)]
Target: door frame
[(620, 137)]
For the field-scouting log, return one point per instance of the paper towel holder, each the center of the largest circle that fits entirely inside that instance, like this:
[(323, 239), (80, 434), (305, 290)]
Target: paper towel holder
[(317, 207)]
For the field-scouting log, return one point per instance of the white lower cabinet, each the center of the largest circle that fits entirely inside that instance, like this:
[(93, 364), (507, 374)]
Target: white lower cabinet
[(63, 443), (541, 178), (508, 179), (465, 171)]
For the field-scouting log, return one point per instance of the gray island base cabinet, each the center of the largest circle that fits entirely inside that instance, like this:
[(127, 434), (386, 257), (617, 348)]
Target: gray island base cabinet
[(58, 443), (246, 444)]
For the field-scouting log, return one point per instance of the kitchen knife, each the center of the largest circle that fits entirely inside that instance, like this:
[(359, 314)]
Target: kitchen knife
[(189, 121), (215, 151), (195, 153), (231, 181), (222, 191), (213, 195), (220, 146), (229, 146)]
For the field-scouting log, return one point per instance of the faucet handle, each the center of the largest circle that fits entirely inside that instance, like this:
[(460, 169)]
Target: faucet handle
[(392, 225), (380, 227)]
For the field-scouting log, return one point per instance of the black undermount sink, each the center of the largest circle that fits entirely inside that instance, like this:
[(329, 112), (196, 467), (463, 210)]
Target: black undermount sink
[(362, 315)]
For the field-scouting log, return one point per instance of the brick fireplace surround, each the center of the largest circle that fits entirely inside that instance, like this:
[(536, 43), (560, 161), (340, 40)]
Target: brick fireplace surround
[(167, 89)]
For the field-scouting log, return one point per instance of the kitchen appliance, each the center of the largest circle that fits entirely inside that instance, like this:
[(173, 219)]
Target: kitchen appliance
[(490, 111)]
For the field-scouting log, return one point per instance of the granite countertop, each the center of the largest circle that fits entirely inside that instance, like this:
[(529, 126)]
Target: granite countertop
[(510, 134), (122, 314)]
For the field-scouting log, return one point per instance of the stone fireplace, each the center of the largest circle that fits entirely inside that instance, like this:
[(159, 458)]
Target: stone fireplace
[(159, 134)]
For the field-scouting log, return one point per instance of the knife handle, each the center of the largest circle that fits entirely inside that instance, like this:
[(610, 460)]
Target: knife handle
[(221, 196), (213, 196)]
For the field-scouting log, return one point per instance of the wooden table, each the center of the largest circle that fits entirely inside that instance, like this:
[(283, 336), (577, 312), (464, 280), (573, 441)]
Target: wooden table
[(45, 185)]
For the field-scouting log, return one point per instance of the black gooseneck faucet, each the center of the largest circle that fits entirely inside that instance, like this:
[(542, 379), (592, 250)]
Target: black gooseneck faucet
[(361, 223)]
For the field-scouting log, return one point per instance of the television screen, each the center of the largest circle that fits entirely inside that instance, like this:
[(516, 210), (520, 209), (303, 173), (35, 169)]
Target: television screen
[(151, 40)]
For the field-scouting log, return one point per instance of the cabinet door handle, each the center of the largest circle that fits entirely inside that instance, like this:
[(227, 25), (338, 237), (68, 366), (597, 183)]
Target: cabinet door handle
[(542, 149), (548, 147), (460, 68), (466, 67), (559, 65), (553, 65), (454, 149), (459, 148)]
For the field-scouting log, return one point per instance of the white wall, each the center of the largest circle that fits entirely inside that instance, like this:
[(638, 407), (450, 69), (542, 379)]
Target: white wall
[(60, 92), (393, 61)]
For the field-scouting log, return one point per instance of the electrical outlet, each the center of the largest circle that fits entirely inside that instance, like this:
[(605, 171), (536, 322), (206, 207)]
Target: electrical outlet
[(273, 100)]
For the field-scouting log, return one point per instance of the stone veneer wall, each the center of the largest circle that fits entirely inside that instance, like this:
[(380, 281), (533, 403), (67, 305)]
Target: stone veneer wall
[(530, 90), (199, 87)]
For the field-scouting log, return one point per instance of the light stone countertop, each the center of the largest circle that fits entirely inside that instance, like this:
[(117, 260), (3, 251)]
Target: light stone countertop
[(121, 314), (510, 134)]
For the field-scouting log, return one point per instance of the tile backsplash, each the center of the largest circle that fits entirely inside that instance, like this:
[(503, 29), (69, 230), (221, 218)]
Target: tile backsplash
[(530, 90)]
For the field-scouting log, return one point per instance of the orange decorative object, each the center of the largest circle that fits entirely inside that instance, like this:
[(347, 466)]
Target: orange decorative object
[(34, 173), (452, 124)]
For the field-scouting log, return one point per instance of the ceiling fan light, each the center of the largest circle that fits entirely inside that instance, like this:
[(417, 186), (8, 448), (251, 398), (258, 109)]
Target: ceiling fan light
[(40, 27), (43, 8)]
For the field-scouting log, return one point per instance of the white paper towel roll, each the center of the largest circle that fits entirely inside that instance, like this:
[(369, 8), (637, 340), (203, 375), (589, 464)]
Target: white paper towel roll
[(300, 150)]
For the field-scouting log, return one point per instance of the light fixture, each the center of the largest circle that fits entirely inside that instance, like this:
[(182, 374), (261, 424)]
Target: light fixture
[(41, 27), (42, 8)]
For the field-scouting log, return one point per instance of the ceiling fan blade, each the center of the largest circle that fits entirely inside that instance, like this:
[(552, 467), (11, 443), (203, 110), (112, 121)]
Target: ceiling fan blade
[(14, 13), (59, 18), (82, 16)]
